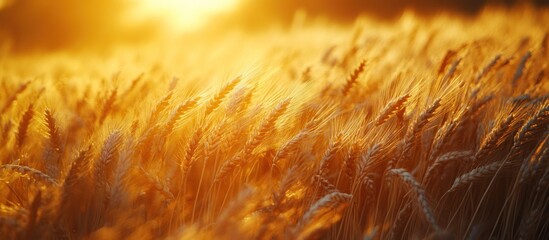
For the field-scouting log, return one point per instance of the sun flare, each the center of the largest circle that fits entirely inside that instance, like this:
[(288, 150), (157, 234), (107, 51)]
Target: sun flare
[(182, 15)]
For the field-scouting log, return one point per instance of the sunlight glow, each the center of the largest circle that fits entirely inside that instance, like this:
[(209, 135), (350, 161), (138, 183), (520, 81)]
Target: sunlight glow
[(184, 15)]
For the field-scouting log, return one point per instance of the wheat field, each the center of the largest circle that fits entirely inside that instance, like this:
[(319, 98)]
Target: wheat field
[(425, 128)]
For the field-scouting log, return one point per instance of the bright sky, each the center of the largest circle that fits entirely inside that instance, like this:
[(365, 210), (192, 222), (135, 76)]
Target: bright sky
[(183, 15)]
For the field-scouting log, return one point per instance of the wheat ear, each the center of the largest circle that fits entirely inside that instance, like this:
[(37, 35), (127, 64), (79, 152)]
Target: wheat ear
[(521, 66), (108, 155), (536, 125), (350, 163), (421, 196), (24, 126), (159, 108), (108, 106), (372, 154), (31, 174), (490, 141), (312, 221), (476, 175), (220, 96), (329, 154), (33, 215), (53, 131), (415, 129), (158, 185), (266, 127), (288, 147), (391, 109), (488, 67), (178, 113), (8, 103), (445, 159), (353, 78), (190, 150)]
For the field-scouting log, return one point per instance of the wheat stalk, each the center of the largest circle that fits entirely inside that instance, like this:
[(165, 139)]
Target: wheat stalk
[(33, 215)]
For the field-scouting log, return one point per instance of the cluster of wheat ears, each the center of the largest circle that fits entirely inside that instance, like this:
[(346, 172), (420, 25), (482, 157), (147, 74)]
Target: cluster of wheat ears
[(432, 128)]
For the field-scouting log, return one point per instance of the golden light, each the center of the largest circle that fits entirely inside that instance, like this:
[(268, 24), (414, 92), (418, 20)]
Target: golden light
[(3, 3), (273, 119), (183, 15)]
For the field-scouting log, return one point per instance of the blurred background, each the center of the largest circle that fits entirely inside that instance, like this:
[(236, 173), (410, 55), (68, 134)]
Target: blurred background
[(46, 25), (262, 11)]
